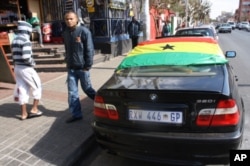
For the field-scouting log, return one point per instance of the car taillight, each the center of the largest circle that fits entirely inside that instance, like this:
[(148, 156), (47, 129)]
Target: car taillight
[(226, 114), (104, 110)]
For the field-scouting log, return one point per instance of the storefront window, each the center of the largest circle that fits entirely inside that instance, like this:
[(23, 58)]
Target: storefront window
[(53, 10)]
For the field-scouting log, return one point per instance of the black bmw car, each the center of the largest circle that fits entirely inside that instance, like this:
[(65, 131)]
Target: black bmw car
[(172, 100)]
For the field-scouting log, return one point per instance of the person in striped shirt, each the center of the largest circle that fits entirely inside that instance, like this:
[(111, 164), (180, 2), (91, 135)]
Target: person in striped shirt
[(25, 74)]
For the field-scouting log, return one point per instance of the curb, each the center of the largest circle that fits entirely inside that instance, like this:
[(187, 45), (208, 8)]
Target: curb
[(82, 151)]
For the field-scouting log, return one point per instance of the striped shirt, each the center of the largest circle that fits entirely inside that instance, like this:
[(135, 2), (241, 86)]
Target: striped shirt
[(22, 50)]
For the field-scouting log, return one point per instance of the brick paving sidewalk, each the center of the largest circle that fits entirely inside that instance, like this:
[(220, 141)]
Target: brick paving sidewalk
[(48, 140)]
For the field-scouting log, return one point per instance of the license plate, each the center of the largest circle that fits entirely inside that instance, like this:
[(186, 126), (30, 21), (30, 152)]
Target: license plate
[(156, 116)]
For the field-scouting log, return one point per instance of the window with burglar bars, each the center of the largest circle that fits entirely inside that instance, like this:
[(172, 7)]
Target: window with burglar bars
[(53, 10)]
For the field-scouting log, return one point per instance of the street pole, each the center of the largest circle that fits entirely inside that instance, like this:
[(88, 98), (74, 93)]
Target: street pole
[(18, 10), (147, 19), (186, 5)]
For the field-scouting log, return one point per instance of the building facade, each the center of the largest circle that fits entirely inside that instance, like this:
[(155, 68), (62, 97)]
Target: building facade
[(108, 19), (244, 10)]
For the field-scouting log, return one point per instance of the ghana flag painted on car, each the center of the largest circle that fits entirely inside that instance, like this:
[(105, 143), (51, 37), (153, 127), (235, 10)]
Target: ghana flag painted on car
[(175, 51)]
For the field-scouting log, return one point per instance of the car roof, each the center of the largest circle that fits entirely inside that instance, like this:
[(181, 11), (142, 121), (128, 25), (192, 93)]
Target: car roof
[(209, 30), (207, 26), (197, 27), (175, 51)]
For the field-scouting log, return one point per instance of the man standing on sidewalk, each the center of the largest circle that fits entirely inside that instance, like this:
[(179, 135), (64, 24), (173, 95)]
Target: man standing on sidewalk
[(79, 52), (134, 28), (35, 22), (26, 77)]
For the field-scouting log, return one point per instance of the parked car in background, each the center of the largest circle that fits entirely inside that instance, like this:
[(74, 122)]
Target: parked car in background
[(213, 28), (232, 24), (204, 30), (237, 25), (243, 25), (224, 28), (248, 28), (217, 26), (171, 100)]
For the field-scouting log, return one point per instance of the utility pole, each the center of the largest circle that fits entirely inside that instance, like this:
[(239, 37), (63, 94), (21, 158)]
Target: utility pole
[(186, 10), (147, 19)]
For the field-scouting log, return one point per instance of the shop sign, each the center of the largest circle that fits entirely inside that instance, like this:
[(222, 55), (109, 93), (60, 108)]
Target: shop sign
[(90, 5), (117, 4)]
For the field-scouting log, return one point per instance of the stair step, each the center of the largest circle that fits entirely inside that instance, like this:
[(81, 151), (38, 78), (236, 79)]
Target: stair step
[(48, 56), (51, 58), (50, 61), (51, 68)]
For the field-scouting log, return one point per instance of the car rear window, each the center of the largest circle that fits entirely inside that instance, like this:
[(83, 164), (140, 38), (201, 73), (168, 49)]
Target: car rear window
[(203, 32), (225, 25), (165, 71)]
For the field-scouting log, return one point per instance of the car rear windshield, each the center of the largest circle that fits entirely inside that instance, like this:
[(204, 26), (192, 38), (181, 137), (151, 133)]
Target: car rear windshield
[(202, 31), (164, 71)]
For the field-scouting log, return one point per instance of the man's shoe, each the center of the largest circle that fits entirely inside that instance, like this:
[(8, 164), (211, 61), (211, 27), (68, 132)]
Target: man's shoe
[(73, 119), (33, 115)]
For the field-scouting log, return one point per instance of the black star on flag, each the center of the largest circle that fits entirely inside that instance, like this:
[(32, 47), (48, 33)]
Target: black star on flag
[(168, 47)]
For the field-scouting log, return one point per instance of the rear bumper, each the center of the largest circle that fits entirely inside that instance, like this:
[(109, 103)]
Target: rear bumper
[(225, 30), (172, 148)]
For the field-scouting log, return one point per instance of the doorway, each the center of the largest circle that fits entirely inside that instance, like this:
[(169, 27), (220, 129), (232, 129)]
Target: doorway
[(24, 7)]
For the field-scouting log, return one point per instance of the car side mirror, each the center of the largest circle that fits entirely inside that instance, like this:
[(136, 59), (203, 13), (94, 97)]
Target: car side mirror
[(230, 54)]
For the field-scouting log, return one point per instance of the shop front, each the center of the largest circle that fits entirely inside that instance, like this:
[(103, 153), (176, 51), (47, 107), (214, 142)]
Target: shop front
[(109, 25), (106, 19), (10, 13)]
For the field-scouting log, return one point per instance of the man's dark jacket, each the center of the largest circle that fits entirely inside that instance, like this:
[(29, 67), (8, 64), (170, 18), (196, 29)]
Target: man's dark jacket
[(79, 49), (134, 28)]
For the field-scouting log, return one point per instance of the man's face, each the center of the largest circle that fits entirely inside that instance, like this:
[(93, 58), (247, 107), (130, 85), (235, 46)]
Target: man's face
[(71, 20)]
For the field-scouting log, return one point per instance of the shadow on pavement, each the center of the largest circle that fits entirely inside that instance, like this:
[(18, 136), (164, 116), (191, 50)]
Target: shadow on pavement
[(45, 139)]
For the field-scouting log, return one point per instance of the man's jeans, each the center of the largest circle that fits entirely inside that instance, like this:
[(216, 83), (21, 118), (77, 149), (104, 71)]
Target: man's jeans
[(73, 97), (39, 31)]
